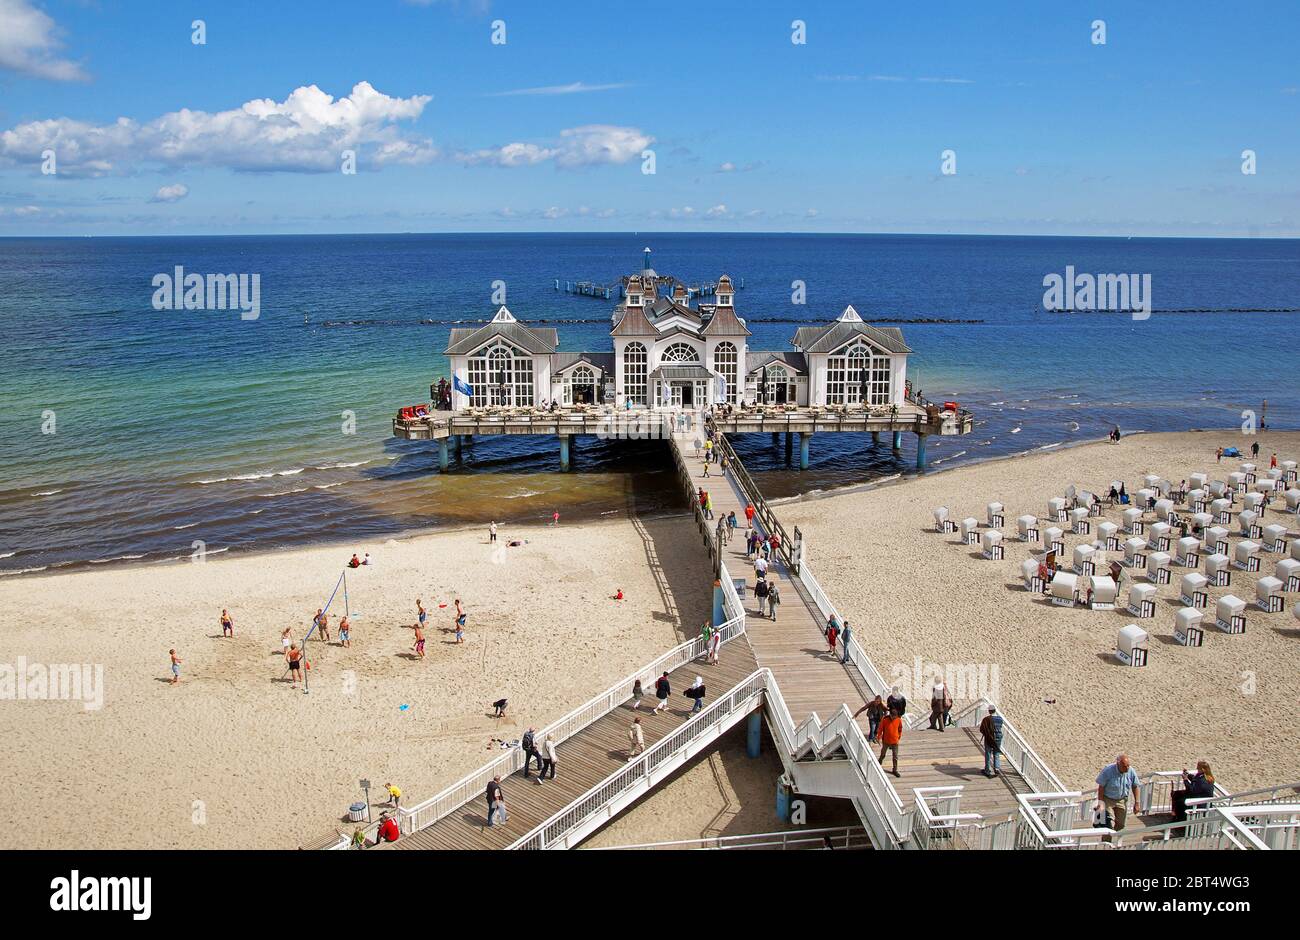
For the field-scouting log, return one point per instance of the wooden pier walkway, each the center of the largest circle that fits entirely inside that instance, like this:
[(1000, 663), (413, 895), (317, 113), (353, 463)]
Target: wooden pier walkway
[(584, 760), (811, 680)]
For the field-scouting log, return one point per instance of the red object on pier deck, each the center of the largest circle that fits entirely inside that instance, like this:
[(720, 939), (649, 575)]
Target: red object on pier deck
[(950, 406)]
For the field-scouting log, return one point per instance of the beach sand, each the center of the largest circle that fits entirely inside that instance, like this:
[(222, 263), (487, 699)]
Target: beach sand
[(233, 758), (909, 591)]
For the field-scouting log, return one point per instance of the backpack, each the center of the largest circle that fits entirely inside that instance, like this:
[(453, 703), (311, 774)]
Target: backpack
[(527, 741)]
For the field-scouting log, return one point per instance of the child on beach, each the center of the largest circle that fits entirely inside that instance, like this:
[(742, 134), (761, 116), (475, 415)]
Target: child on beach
[(419, 613), (176, 667), (345, 629), (419, 642), (461, 617), (227, 624), (555, 517), (285, 641)]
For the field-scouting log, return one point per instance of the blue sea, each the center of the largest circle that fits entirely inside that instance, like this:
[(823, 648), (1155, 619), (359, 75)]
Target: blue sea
[(176, 427)]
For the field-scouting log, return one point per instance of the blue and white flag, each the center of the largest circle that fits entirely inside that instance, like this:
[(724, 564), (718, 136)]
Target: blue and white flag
[(722, 388), (458, 385)]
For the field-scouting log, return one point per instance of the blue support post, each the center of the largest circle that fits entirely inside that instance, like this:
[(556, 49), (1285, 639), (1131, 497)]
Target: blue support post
[(754, 734), (898, 440), (920, 451), (875, 438), (805, 439), (443, 462), (564, 452), (782, 799), (719, 615)]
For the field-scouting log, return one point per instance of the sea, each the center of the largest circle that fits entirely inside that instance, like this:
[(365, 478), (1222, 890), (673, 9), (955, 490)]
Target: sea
[(130, 434)]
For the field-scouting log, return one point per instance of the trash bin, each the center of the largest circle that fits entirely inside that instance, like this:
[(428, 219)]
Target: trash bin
[(783, 798), (357, 812)]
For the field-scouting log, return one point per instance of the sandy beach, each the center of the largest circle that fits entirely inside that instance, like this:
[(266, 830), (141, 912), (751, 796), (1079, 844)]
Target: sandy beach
[(232, 757), (911, 592)]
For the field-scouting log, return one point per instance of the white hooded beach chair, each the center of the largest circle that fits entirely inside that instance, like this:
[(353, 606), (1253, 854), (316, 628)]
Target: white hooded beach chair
[(1289, 471), (995, 517), (1292, 497), (1288, 572), (1230, 614), (1248, 524), (1151, 480), (1083, 563), (1135, 552), (1027, 526), (1108, 536), (1142, 600), (1246, 555), (1221, 510), (1029, 573), (941, 521), (1158, 536), (970, 530), (1102, 592), (1275, 539), (1064, 589), (1198, 480), (1218, 570), (1056, 507), (1192, 590), (1197, 499), (1131, 646), (1133, 521), (1268, 595), (1158, 567), (1079, 523), (1188, 551), (1187, 627), (1053, 539), (1216, 539), (991, 542), (1236, 480)]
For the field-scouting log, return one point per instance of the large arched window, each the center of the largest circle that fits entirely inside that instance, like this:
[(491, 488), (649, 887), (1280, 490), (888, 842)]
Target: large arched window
[(725, 363), (635, 361), (580, 386), (844, 376), (680, 352), (776, 386), (500, 375)]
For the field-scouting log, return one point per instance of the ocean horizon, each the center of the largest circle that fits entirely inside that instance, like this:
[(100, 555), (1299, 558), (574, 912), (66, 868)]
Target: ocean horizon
[(130, 432)]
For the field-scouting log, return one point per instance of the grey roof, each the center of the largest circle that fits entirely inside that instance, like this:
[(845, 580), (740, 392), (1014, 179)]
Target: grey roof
[(665, 307), (603, 361), (820, 339), (681, 372), (464, 341), (724, 322), (633, 322), (755, 360)]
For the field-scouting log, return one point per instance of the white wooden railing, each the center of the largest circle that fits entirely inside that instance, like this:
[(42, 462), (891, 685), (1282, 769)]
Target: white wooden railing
[(834, 837)]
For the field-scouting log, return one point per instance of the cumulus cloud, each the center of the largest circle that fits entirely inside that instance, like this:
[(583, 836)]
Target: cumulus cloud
[(173, 193), (717, 211), (29, 43), (305, 133), (589, 145)]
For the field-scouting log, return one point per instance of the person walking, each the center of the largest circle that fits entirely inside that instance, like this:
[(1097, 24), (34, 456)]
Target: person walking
[(845, 635), (832, 636), (294, 657), (749, 514), (991, 732), (696, 691), (662, 690), (940, 705), (896, 702), (548, 760), (529, 744), (875, 710), (638, 693), (761, 589), (773, 598), (891, 735), (493, 794), (176, 667), (492, 531), (708, 504), (636, 739), (498, 816), (1114, 784), (715, 644), (705, 475), (227, 623)]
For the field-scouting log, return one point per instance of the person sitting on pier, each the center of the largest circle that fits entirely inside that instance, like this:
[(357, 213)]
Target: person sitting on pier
[(1195, 785)]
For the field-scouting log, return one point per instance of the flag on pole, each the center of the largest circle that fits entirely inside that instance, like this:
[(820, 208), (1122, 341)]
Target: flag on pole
[(459, 385), (722, 388)]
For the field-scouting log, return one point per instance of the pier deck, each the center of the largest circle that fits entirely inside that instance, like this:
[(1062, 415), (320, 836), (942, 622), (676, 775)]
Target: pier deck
[(794, 648), (584, 760)]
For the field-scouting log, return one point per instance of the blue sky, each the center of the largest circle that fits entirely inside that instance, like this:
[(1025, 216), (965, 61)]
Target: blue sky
[(1052, 133)]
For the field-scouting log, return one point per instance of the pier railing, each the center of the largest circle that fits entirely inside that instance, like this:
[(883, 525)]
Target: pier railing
[(831, 837), (755, 497)]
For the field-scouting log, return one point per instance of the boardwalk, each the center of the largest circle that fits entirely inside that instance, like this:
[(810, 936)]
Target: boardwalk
[(794, 648), (582, 761)]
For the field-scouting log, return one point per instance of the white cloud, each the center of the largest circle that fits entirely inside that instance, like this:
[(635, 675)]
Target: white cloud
[(717, 212), (173, 193), (573, 88), (589, 145), (29, 43), (727, 167), (305, 133)]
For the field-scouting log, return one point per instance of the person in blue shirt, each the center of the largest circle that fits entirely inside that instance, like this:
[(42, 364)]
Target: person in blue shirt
[(1114, 784)]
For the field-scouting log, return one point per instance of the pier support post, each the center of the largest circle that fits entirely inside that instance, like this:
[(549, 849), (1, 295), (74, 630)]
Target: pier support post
[(754, 734), (459, 445), (719, 614), (783, 798), (805, 439), (920, 451), (564, 453), (875, 438), (898, 440), (443, 462), (776, 438), (789, 445)]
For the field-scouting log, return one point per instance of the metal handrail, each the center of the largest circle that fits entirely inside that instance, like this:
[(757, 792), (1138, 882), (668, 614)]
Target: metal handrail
[(848, 836), (755, 497)]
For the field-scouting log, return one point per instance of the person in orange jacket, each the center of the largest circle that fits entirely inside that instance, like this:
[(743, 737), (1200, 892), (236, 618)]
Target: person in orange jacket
[(891, 733)]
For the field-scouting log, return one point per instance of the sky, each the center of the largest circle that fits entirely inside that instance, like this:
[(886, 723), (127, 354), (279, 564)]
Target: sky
[(487, 115)]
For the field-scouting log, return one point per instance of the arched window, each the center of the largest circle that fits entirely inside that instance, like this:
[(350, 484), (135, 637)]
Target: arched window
[(725, 363), (635, 361), (500, 375), (680, 352), (847, 375), (777, 386), (580, 386)]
